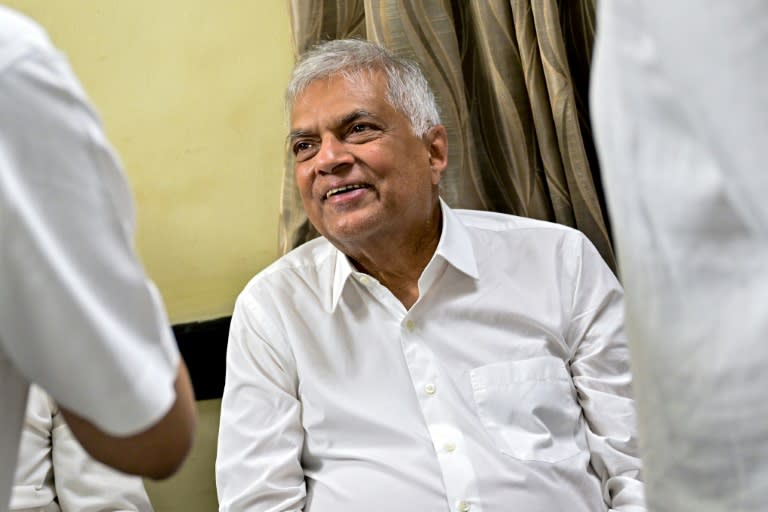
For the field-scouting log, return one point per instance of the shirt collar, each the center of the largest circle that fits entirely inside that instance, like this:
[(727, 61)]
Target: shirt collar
[(455, 247), (455, 244), (341, 274)]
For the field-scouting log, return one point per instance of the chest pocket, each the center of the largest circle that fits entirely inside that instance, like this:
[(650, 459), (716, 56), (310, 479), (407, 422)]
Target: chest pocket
[(529, 408)]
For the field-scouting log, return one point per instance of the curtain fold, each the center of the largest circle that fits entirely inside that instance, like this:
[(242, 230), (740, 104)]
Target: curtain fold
[(511, 80)]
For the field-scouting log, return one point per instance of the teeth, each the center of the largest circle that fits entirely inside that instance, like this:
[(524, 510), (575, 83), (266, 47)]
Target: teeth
[(339, 190)]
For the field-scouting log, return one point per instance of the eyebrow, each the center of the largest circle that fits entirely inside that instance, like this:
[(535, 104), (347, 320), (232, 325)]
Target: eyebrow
[(352, 116)]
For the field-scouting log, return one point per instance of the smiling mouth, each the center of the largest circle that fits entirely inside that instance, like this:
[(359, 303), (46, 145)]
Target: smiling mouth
[(341, 190)]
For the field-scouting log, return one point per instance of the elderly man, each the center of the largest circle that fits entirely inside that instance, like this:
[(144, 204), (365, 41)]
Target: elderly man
[(416, 357)]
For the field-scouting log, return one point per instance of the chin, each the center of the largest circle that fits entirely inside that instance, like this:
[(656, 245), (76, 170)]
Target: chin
[(348, 234), (351, 227)]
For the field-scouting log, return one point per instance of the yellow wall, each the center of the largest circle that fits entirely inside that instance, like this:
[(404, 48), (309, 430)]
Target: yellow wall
[(190, 92)]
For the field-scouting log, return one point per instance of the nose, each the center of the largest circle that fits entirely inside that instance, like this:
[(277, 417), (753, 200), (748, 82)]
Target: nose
[(332, 155)]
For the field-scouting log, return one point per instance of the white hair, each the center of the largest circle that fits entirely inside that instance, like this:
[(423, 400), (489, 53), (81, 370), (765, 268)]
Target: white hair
[(407, 88)]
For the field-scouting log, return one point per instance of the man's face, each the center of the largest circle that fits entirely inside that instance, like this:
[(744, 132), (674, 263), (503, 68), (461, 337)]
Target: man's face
[(363, 175)]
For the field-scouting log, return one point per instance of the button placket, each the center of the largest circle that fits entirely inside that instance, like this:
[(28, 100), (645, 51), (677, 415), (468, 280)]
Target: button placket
[(456, 467)]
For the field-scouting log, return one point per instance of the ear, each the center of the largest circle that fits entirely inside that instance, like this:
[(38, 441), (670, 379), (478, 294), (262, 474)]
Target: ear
[(437, 147)]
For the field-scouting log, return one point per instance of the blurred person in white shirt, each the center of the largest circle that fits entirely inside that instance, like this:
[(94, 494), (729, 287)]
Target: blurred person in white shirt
[(680, 111), (55, 474), (78, 314)]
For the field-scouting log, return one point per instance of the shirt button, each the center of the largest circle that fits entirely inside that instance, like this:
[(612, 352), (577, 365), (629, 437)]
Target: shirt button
[(449, 447), (463, 506), (430, 389), (364, 280), (410, 325)]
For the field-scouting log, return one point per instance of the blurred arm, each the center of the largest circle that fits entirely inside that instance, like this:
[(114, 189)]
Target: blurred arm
[(157, 452)]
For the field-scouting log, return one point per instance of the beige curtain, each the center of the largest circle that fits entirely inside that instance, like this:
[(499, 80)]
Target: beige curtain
[(511, 78)]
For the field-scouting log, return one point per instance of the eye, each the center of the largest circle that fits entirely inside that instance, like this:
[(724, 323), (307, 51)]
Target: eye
[(359, 128), (301, 147), (362, 132)]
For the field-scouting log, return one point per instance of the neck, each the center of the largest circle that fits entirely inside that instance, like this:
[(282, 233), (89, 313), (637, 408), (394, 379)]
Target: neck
[(398, 262)]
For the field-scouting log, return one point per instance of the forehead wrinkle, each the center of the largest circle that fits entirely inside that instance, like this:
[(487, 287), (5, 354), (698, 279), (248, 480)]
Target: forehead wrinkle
[(368, 83)]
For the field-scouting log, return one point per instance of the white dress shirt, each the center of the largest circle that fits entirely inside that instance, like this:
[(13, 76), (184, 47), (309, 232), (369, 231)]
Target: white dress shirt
[(680, 107), (55, 474), (78, 314), (504, 387)]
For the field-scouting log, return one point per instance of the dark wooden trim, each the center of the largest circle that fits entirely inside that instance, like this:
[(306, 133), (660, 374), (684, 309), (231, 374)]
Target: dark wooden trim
[(203, 345)]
